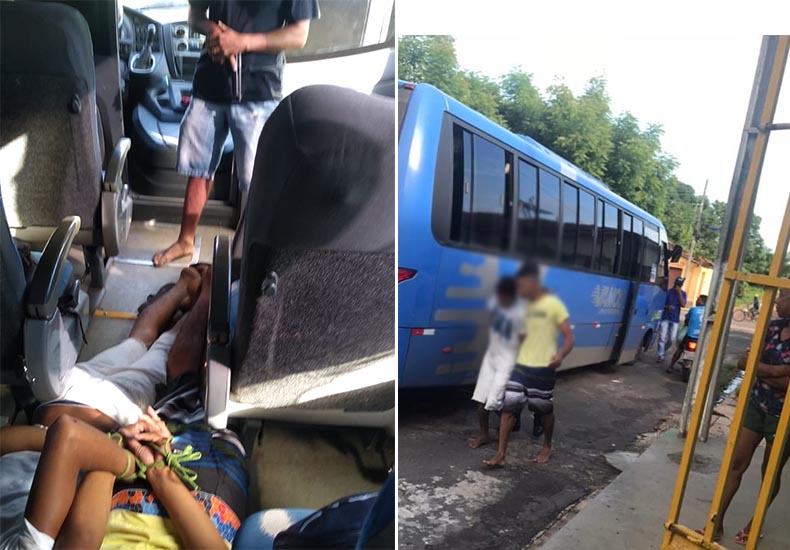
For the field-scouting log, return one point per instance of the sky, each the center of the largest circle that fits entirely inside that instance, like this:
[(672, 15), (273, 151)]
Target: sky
[(695, 85)]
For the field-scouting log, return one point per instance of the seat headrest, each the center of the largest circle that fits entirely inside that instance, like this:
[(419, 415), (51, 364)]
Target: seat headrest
[(324, 173), (46, 38)]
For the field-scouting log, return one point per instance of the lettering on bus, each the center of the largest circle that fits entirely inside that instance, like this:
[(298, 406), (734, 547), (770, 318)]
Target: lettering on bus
[(608, 300)]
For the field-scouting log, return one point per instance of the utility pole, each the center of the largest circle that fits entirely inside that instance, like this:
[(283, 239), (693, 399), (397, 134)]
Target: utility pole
[(695, 230)]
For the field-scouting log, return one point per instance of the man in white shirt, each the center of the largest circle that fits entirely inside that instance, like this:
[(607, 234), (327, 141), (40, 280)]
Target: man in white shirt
[(505, 335)]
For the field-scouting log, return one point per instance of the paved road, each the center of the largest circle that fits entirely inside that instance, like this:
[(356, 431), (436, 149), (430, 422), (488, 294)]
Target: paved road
[(446, 500)]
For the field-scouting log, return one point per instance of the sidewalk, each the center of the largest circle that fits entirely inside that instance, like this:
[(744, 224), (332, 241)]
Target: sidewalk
[(631, 511)]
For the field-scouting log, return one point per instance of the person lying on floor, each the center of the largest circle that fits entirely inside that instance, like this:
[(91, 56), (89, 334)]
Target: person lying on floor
[(113, 388), (173, 492), (110, 390)]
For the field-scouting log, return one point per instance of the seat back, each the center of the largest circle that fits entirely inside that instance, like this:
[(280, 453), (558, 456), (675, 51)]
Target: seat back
[(12, 297), (50, 165), (321, 216)]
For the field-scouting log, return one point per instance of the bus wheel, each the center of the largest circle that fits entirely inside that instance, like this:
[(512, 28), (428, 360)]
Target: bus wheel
[(645, 346)]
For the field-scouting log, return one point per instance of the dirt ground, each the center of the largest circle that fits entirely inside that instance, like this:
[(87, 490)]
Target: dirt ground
[(446, 498)]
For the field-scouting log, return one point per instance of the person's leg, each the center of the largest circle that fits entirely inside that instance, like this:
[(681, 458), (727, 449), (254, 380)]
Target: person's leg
[(246, 121), (71, 447), (87, 520), (188, 349), (487, 396), (513, 403), (484, 436), (777, 485), (548, 433), (673, 333), (663, 328), (195, 198), (201, 140), (675, 358), (153, 318), (506, 424), (537, 425), (744, 451), (21, 438)]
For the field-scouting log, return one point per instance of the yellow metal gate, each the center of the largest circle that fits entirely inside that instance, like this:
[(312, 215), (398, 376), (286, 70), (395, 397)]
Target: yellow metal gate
[(759, 124)]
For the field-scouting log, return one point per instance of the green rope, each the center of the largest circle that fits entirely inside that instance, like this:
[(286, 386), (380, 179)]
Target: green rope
[(173, 460), (128, 474)]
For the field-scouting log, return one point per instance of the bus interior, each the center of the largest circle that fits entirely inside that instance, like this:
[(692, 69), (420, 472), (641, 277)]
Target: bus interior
[(90, 246)]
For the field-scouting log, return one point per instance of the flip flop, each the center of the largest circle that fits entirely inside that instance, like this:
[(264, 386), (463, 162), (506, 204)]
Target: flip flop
[(742, 536)]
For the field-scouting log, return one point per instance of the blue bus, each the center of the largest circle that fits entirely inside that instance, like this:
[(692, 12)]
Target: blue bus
[(474, 200)]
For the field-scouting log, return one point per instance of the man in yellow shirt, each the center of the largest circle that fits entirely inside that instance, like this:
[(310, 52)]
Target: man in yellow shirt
[(532, 380)]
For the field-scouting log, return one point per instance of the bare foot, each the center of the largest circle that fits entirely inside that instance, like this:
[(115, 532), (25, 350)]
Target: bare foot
[(178, 249), (543, 457), (497, 462), (476, 442)]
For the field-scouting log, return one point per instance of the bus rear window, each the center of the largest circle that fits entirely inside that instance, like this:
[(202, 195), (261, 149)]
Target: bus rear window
[(480, 172)]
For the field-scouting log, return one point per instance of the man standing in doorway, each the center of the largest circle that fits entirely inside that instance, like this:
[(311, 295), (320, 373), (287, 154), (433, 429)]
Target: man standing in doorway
[(670, 317), (237, 85)]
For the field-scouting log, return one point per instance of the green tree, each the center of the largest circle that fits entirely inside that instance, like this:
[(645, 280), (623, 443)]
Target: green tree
[(580, 129), (430, 59), (617, 149), (680, 213), (521, 105), (481, 94)]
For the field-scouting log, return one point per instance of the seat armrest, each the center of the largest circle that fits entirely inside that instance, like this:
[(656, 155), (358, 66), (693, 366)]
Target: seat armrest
[(219, 308), (42, 293), (219, 354), (113, 176)]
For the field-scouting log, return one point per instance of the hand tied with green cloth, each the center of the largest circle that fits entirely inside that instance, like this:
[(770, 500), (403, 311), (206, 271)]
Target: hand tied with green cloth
[(172, 458)]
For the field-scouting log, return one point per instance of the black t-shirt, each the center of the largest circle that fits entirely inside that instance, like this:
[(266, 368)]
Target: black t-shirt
[(261, 72)]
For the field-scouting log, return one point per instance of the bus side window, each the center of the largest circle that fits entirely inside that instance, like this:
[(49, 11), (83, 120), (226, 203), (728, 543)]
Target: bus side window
[(527, 209), (626, 257), (548, 215), (461, 223), (489, 184), (598, 235), (652, 257), (638, 246), (570, 223), (609, 244), (584, 250)]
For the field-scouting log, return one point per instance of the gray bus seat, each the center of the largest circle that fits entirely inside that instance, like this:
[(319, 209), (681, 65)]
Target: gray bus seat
[(41, 332), (387, 84), (314, 333), (50, 151)]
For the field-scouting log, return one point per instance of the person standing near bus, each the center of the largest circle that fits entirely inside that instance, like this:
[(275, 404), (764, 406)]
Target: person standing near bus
[(670, 317), (506, 332), (532, 380), (761, 418), (237, 85)]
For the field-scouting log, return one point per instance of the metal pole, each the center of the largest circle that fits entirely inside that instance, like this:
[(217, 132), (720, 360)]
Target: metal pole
[(762, 107), (746, 157), (695, 230)]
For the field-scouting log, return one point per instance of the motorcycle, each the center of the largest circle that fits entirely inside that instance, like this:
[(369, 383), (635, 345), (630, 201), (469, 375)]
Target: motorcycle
[(687, 357)]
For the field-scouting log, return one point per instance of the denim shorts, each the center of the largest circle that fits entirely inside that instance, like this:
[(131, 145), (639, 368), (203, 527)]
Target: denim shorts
[(205, 128)]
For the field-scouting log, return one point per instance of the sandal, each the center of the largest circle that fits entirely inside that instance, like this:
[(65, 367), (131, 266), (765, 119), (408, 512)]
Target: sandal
[(742, 536)]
